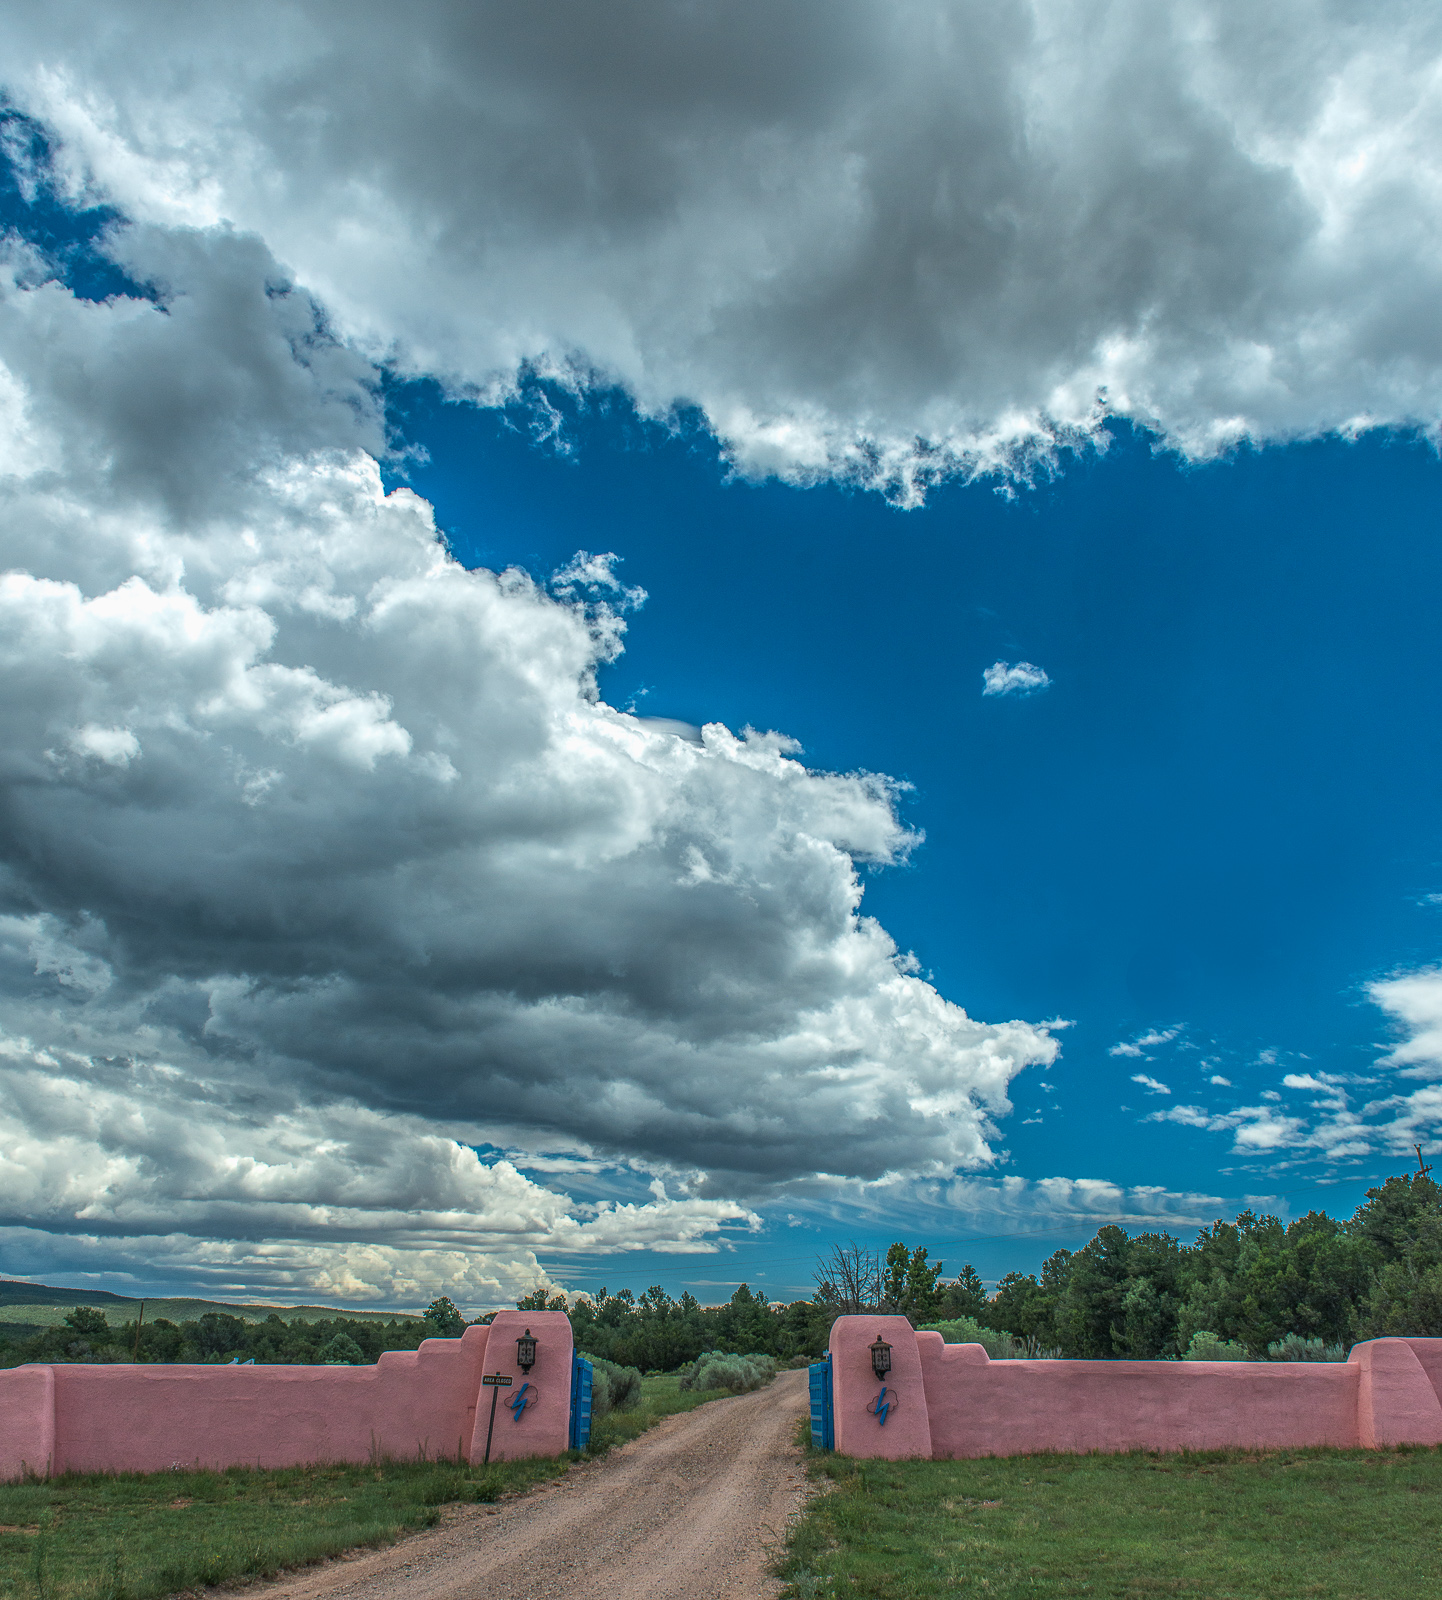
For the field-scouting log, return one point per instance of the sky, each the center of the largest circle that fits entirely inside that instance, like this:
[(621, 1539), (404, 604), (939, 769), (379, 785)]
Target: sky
[(639, 641)]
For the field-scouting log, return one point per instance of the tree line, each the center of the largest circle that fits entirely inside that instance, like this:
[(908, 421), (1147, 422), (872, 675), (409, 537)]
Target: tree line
[(1254, 1282), (657, 1333), (216, 1337), (1251, 1283)]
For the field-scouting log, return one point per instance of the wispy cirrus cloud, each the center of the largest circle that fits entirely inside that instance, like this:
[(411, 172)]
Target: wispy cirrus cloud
[(1345, 1115)]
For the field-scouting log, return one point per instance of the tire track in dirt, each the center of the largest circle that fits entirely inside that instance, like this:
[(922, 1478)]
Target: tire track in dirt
[(692, 1510)]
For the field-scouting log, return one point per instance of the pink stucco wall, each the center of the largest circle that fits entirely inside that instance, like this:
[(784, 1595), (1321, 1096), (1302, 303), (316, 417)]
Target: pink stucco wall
[(27, 1421), (411, 1403), (1385, 1393)]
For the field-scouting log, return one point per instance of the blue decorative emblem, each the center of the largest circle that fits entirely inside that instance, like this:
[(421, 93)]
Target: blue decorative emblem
[(882, 1406), (521, 1399)]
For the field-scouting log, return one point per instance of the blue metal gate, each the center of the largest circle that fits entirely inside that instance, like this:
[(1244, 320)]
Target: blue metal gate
[(580, 1435), (823, 1430)]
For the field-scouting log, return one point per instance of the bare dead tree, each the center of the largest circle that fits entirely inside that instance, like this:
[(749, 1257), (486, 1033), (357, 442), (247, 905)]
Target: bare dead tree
[(849, 1278)]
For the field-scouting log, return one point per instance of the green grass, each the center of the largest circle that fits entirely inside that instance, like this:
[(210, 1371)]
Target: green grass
[(88, 1537), (139, 1536), (1338, 1524)]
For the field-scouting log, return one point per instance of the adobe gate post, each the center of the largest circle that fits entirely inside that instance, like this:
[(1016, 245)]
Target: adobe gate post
[(1396, 1402), (533, 1413), (874, 1416)]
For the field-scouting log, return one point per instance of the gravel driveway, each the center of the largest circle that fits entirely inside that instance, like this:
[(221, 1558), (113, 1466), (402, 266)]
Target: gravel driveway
[(693, 1508)]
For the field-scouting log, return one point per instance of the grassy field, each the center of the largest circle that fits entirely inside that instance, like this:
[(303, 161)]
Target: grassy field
[(88, 1537), (1337, 1525)]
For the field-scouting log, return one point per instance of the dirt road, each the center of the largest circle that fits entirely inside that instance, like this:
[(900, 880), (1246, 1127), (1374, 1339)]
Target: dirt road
[(691, 1509)]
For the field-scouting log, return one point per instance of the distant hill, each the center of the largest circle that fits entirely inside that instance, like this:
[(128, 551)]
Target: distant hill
[(40, 1306), (15, 1293)]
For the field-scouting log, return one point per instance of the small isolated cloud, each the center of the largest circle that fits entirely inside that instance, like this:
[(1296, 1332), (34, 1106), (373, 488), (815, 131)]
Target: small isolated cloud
[(1150, 1083), (1225, 1083), (1324, 1082), (1144, 1042), (1023, 679)]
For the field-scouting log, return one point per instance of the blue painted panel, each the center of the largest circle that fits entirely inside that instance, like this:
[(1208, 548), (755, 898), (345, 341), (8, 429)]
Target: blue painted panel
[(823, 1431), (580, 1435)]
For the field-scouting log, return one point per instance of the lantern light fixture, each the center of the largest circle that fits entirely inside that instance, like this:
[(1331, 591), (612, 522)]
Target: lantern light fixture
[(881, 1357), (526, 1351)]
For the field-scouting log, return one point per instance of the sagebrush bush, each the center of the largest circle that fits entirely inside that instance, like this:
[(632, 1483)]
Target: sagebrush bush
[(967, 1330), (1293, 1347), (717, 1369), (1206, 1346), (613, 1387)]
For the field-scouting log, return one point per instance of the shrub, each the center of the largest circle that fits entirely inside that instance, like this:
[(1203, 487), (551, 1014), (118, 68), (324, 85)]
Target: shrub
[(967, 1330), (1293, 1347), (613, 1387), (1207, 1346), (716, 1369), (341, 1351)]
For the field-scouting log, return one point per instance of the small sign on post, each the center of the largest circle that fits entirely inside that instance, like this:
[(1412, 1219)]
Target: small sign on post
[(493, 1381)]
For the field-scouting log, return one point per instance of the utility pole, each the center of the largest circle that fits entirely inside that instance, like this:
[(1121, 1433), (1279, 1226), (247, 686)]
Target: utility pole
[(1423, 1167), (135, 1354)]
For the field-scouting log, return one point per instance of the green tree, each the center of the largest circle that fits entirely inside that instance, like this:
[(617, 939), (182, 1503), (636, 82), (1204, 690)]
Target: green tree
[(964, 1296), (1091, 1304), (1399, 1216), (90, 1324), (1147, 1328), (443, 1318), (1400, 1225), (541, 1299), (908, 1282), (341, 1350), (923, 1299), (893, 1277), (217, 1336)]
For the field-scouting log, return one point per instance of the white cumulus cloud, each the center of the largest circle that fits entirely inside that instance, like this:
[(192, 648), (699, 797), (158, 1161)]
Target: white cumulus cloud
[(1413, 1001), (325, 865), (1001, 677)]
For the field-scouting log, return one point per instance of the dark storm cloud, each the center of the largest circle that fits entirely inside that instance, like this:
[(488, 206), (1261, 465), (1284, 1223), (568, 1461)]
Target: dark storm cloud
[(879, 240)]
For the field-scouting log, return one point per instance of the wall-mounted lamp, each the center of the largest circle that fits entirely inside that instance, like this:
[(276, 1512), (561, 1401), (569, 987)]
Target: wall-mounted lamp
[(526, 1351), (880, 1357)]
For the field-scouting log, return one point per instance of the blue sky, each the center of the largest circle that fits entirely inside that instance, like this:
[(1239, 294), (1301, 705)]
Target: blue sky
[(1010, 807), (1216, 825)]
